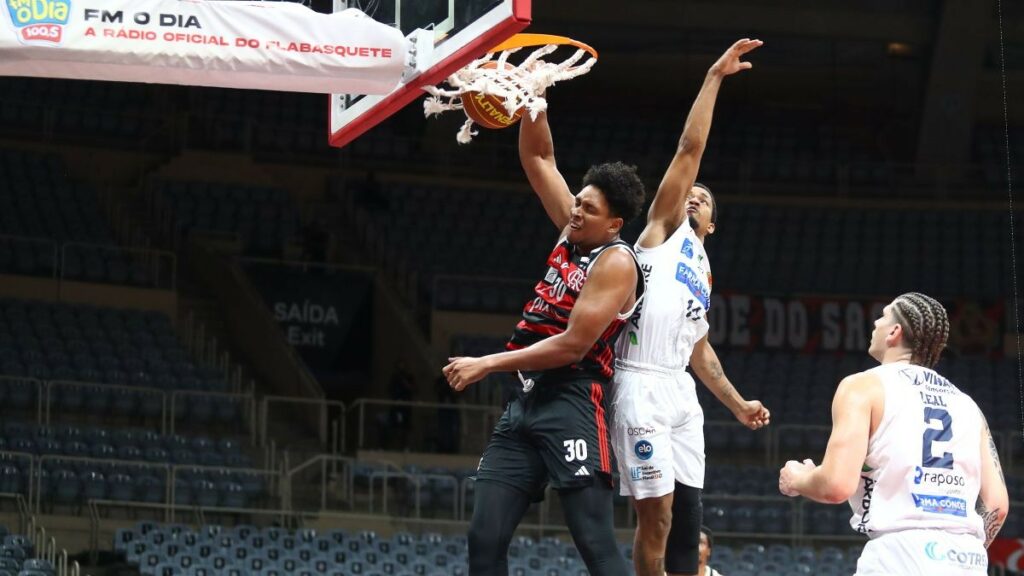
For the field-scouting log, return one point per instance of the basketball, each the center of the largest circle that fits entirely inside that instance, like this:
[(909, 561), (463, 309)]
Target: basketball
[(486, 110)]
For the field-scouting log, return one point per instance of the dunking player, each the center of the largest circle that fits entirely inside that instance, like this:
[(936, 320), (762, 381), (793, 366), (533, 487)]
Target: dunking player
[(912, 454), (555, 429), (657, 422)]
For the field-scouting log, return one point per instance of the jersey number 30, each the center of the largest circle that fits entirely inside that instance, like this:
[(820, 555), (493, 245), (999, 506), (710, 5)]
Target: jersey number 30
[(944, 434), (575, 450)]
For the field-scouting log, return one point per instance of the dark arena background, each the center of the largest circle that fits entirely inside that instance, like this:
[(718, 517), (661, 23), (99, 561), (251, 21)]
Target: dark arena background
[(221, 339)]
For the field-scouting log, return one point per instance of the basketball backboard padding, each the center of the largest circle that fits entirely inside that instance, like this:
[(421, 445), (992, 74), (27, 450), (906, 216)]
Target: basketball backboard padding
[(507, 18)]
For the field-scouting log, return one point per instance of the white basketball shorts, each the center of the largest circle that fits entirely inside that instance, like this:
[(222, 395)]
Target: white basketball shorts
[(657, 430), (923, 553)]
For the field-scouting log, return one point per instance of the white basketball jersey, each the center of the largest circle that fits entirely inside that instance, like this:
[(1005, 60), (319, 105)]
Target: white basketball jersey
[(923, 466), (673, 316)]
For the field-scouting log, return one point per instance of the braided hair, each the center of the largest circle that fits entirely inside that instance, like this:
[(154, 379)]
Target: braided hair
[(925, 326)]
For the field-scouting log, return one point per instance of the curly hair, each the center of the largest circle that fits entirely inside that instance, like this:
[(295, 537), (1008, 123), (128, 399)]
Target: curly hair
[(621, 187), (925, 326)]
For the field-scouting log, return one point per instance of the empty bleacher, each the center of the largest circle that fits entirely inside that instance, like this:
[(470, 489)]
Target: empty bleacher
[(176, 549), (116, 113), (261, 219), (494, 243)]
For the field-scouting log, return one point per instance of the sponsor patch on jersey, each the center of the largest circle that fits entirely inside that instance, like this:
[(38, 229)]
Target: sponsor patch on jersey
[(551, 275), (940, 504), (941, 478), (930, 380), (687, 249), (644, 472), (687, 276), (964, 560), (643, 450)]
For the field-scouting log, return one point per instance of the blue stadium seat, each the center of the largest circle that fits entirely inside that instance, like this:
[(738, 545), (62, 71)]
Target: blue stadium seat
[(38, 565), (66, 487)]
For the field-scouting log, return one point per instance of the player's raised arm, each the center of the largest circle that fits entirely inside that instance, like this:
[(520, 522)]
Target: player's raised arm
[(669, 207), (537, 155), (993, 500)]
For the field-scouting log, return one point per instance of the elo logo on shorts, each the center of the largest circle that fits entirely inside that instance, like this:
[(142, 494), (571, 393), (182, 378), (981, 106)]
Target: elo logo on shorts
[(39, 21), (643, 450)]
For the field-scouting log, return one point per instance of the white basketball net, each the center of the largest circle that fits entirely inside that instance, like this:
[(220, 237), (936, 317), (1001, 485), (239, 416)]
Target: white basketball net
[(517, 87)]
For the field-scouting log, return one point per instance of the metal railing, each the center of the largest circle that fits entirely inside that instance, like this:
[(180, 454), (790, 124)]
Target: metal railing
[(247, 401), (335, 421), (19, 384), (24, 514), (331, 432), (46, 549), (732, 429), (776, 433), (206, 349), (271, 482), (158, 268), (28, 463), (56, 459), (1004, 441), (168, 400), (36, 246), (252, 321), (328, 473), (485, 416), (416, 482)]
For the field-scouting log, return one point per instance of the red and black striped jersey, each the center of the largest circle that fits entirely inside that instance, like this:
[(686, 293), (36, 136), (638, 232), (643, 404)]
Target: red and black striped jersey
[(547, 314)]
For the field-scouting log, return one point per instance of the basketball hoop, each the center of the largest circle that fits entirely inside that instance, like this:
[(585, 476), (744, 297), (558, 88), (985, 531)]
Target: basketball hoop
[(515, 87)]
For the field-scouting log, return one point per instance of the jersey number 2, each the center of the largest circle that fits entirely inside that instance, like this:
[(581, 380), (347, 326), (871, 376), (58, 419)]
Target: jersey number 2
[(944, 434)]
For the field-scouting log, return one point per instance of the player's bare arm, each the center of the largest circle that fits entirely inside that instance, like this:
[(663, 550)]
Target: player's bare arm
[(669, 207), (993, 500), (705, 363), (836, 479), (610, 289), (537, 155)]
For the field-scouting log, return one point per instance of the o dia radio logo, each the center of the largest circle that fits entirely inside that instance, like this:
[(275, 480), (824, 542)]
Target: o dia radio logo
[(39, 21)]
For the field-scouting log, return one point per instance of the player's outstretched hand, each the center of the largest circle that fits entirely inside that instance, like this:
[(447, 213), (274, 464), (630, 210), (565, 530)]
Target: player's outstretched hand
[(753, 415), (729, 63), (791, 473), (463, 371)]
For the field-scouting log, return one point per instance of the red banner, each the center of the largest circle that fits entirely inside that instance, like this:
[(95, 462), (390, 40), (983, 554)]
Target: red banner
[(1007, 552), (816, 324)]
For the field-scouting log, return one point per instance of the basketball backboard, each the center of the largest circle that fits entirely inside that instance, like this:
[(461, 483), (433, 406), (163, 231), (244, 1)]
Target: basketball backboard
[(447, 34)]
